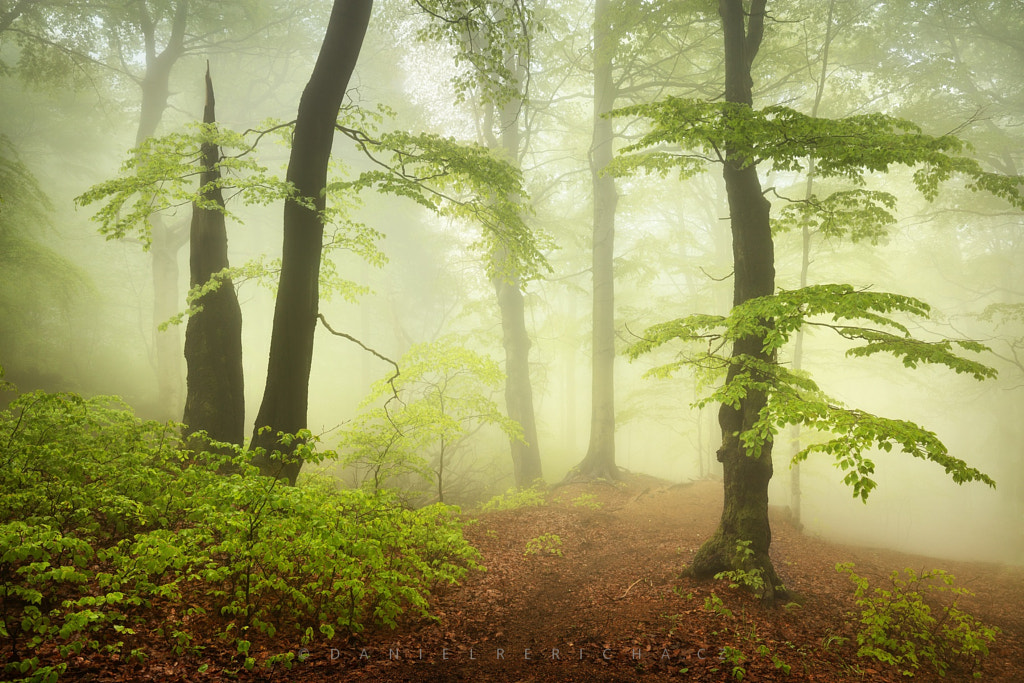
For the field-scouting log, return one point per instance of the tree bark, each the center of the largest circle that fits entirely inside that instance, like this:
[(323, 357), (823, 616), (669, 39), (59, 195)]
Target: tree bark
[(746, 475), (215, 399), (285, 398), (599, 461)]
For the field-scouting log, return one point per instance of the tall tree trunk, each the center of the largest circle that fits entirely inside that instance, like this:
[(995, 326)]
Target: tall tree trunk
[(518, 388), (599, 460), (167, 241), (805, 264), (285, 398), (526, 463), (746, 475), (215, 400)]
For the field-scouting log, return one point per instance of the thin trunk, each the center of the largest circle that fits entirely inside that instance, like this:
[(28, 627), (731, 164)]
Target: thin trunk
[(599, 460), (167, 241), (215, 401), (526, 463), (746, 476), (286, 396), (805, 262), (518, 389)]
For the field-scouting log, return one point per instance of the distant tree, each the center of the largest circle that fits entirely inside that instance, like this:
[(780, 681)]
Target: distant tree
[(415, 167), (41, 288), (759, 395)]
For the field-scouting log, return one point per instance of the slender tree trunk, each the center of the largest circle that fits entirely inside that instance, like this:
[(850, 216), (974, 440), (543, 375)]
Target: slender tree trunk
[(518, 389), (516, 339), (599, 460), (805, 263), (215, 400), (167, 241), (746, 475), (285, 398)]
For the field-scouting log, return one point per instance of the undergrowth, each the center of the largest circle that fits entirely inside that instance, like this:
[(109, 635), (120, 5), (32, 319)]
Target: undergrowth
[(112, 534), (917, 623)]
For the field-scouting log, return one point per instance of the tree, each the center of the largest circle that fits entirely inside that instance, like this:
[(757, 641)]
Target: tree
[(599, 460), (42, 289), (441, 396), (285, 397), (508, 287), (215, 400), (760, 395), (634, 58)]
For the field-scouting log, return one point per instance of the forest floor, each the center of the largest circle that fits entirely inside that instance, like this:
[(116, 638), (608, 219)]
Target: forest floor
[(612, 606)]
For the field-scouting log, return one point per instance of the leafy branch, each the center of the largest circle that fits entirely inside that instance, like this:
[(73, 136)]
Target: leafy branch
[(458, 181), (793, 397)]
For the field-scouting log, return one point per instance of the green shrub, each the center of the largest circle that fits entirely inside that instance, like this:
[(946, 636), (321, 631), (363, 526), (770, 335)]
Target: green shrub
[(900, 626), (104, 518), (516, 498), (548, 544)]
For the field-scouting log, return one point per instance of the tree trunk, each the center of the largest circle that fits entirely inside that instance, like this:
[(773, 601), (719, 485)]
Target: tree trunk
[(600, 458), (215, 400), (285, 397), (746, 475), (166, 240), (805, 263), (518, 389), (515, 337)]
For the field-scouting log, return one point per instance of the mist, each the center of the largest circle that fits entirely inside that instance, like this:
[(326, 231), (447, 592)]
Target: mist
[(78, 308)]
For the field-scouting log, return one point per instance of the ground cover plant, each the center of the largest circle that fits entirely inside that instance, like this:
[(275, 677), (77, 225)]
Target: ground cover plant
[(115, 540)]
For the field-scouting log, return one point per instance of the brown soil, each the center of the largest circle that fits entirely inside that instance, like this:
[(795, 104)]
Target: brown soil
[(613, 608)]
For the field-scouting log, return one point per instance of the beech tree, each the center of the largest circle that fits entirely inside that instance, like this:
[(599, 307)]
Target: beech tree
[(759, 395), (286, 395)]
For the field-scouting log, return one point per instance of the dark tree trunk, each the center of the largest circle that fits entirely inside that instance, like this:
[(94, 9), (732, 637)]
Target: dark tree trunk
[(215, 400), (285, 397), (599, 460), (746, 476), (167, 241), (515, 337)]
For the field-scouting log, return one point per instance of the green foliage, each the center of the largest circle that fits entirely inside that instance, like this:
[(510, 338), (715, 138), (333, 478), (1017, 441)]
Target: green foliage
[(516, 498), (860, 215), (104, 519), (441, 395), (455, 180), (41, 288), (484, 34), (735, 658), (842, 148), (908, 626), (688, 134), (713, 603), (744, 574), (794, 398), (586, 500), (547, 544), (161, 176)]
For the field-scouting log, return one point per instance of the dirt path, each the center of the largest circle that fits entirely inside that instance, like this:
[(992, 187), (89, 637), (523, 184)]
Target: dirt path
[(611, 608)]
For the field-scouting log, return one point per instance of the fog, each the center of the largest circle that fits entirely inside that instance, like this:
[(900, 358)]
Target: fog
[(78, 309)]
